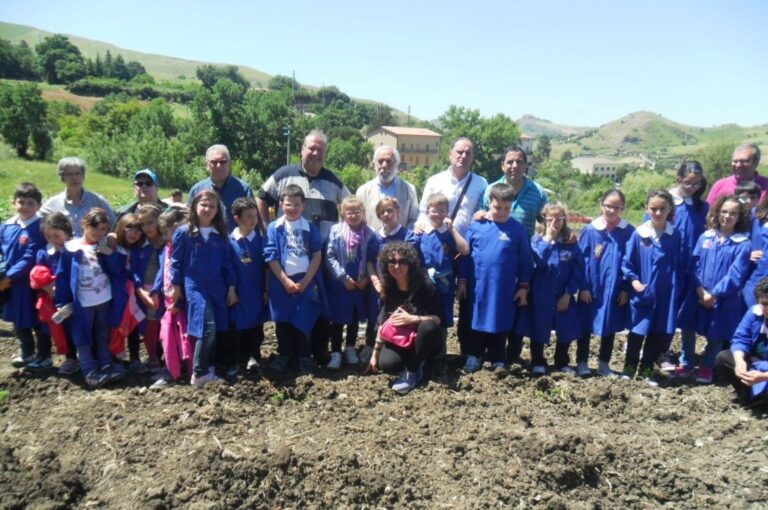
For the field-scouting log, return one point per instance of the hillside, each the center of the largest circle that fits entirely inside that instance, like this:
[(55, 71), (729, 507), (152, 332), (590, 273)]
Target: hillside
[(532, 125)]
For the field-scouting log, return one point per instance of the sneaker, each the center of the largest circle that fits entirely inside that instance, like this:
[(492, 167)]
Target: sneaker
[(538, 370), (704, 375), (96, 379), (350, 356), (666, 364), (162, 384), (137, 367), (604, 370), (279, 364), (335, 362), (19, 361), (38, 364), (69, 367), (499, 365), (253, 364), (405, 383), (682, 372), (567, 370), (307, 366), (582, 369), (473, 364), (231, 374), (199, 380), (629, 372), (164, 374), (115, 372)]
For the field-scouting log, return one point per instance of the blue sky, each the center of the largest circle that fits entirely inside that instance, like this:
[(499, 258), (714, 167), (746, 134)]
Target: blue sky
[(581, 63)]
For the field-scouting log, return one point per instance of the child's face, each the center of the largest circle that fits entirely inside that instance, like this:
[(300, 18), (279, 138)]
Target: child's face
[(436, 214), (658, 209), (149, 227), (94, 234), (729, 215), (389, 216), (689, 184), (206, 210), (500, 210), (292, 208), (132, 234), (247, 221), (612, 207), (555, 219), (25, 207), (55, 237), (353, 215)]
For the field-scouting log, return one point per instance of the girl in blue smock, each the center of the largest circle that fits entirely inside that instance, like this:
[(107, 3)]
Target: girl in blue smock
[(759, 255), (351, 245), (499, 252), (557, 276), (651, 265), (202, 273), (604, 291), (718, 269)]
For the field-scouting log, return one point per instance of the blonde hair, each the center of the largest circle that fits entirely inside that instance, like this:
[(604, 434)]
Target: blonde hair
[(436, 200), (352, 201), (384, 202)]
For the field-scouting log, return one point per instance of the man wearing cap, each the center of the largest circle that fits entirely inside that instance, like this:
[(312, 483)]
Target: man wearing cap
[(145, 188), (220, 179)]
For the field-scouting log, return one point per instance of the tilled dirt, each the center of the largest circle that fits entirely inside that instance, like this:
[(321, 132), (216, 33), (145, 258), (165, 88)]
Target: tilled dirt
[(346, 440)]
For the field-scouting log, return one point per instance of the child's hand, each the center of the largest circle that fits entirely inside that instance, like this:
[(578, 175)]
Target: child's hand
[(521, 297), (707, 300), (291, 287), (585, 296), (448, 223), (111, 240), (177, 294), (563, 302), (363, 282), (623, 298), (145, 297), (232, 298), (155, 299), (756, 255), (349, 284), (174, 309), (376, 284), (49, 289), (638, 286), (5, 283)]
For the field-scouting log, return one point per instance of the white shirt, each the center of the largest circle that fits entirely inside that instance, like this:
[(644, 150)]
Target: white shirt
[(297, 254), (447, 184), (93, 286)]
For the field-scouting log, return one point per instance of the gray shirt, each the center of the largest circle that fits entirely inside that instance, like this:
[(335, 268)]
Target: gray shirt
[(75, 212)]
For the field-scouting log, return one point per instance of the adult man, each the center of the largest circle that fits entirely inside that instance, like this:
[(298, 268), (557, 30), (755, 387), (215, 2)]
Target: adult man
[(529, 196), (323, 190), (75, 201), (388, 184), (145, 188), (744, 163), (452, 182), (230, 188)]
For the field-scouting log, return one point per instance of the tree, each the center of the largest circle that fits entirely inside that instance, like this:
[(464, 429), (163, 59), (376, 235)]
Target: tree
[(23, 115), (210, 74), (17, 61), (543, 148), (281, 82), (716, 160), (55, 55)]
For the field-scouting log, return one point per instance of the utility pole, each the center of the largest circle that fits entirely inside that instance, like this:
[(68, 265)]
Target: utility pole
[(287, 133), (409, 116)]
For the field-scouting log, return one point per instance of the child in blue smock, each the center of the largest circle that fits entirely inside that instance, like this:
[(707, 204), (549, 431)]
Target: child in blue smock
[(202, 273), (604, 291), (20, 238), (557, 276), (248, 315), (439, 245), (296, 294), (759, 255), (351, 245), (497, 281), (91, 280), (719, 268), (652, 266)]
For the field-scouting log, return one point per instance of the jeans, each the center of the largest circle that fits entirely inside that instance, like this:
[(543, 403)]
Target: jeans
[(94, 324), (688, 354), (205, 345)]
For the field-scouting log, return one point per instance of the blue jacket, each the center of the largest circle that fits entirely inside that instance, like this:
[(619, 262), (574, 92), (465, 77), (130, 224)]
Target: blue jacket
[(232, 189), (301, 310), (347, 305), (19, 243), (759, 269), (204, 270), (722, 270), (603, 252), (438, 251), (68, 278), (248, 261), (750, 338), (655, 263)]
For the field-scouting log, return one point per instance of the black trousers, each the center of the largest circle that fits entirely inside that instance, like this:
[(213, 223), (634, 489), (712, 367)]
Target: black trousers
[(291, 342), (652, 345), (428, 344)]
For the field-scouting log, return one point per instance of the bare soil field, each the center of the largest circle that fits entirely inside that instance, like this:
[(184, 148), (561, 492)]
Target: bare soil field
[(345, 440)]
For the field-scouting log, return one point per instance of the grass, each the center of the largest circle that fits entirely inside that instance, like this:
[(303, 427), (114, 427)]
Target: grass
[(3, 396)]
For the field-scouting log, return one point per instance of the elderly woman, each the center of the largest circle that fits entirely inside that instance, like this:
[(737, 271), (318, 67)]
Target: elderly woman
[(409, 298), (75, 201)]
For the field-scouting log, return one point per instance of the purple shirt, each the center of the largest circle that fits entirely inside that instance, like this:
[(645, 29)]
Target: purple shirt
[(727, 185)]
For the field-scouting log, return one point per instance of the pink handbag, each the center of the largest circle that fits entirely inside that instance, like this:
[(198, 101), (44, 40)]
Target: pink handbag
[(401, 336)]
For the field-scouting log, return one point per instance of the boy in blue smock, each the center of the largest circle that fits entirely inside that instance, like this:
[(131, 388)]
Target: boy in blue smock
[(248, 315), (296, 296), (497, 281), (21, 237)]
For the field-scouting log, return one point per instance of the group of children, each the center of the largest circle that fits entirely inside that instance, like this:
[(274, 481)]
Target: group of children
[(199, 295)]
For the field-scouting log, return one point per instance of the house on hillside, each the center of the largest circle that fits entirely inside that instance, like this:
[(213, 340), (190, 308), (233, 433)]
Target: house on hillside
[(526, 142), (600, 166), (417, 146)]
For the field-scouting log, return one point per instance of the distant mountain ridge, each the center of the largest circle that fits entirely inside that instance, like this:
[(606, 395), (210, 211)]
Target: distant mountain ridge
[(532, 125)]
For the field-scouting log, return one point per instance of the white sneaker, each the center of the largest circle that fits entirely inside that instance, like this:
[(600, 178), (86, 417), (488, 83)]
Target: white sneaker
[(539, 370), (567, 370), (253, 364), (335, 362), (350, 356), (199, 381), (604, 370), (582, 369)]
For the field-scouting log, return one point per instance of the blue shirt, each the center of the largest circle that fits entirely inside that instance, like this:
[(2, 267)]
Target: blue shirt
[(232, 189)]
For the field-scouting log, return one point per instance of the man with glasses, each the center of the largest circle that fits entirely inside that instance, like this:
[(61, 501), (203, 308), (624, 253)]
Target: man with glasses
[(220, 179), (744, 163), (145, 188), (387, 183), (75, 201)]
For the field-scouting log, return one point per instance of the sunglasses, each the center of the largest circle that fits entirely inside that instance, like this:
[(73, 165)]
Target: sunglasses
[(143, 184), (397, 262)]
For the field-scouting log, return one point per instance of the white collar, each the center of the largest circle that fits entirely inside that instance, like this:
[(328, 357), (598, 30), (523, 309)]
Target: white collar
[(428, 228), (599, 223), (23, 223), (647, 231), (74, 245), (236, 235), (51, 249), (302, 224), (736, 237), (395, 231)]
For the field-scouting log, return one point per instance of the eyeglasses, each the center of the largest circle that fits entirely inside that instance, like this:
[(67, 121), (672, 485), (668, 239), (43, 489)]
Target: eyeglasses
[(353, 213), (613, 207), (729, 214), (397, 262), (690, 184), (437, 211), (143, 184)]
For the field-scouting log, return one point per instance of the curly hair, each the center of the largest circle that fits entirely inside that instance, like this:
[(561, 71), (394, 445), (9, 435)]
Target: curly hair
[(743, 224), (409, 253)]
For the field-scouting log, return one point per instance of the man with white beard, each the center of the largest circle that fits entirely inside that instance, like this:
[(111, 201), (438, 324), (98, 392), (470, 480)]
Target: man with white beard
[(387, 183)]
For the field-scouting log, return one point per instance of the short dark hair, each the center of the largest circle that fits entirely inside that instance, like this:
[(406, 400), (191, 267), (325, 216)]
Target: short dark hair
[(95, 217), (751, 187), (501, 192), (292, 191), (241, 204), (59, 221), (761, 289), (28, 190), (516, 148), (171, 217)]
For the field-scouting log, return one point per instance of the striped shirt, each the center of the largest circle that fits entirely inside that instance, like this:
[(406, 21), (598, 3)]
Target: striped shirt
[(526, 206)]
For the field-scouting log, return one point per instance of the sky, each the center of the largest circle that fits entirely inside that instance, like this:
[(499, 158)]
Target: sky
[(581, 63)]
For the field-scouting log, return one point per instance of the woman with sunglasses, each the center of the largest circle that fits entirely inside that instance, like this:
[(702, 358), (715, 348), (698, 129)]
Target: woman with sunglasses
[(146, 186), (408, 298)]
